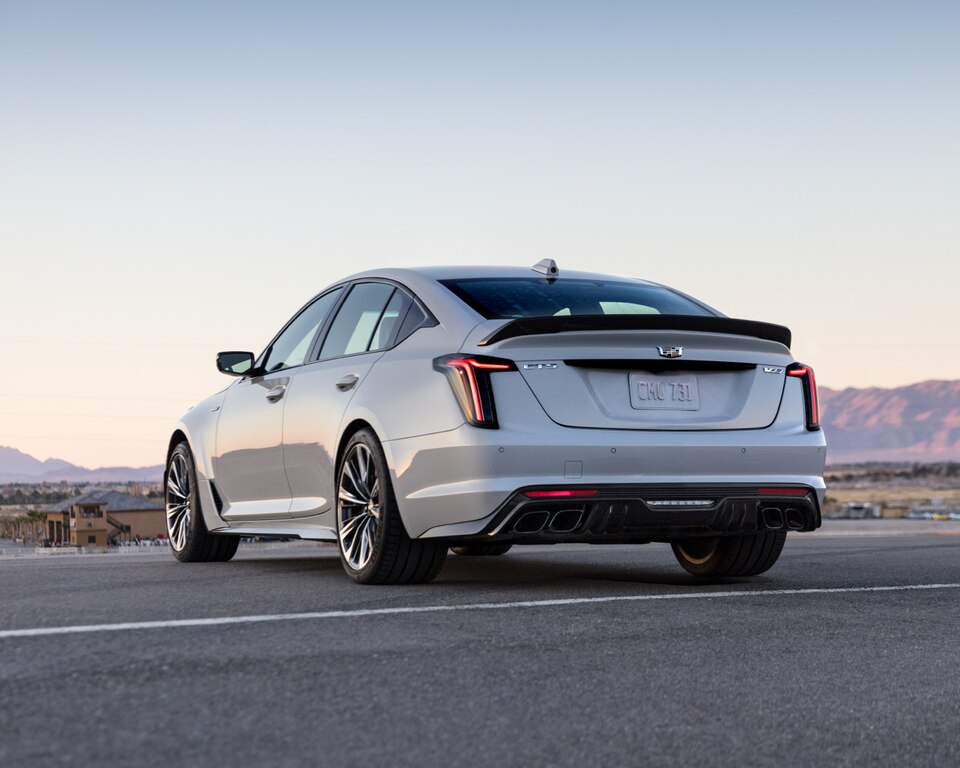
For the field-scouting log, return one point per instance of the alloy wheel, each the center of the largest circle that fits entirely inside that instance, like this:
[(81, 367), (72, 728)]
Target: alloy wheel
[(178, 502), (358, 507)]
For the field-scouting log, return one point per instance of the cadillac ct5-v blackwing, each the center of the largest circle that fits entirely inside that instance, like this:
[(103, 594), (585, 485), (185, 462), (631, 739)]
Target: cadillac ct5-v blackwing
[(407, 412)]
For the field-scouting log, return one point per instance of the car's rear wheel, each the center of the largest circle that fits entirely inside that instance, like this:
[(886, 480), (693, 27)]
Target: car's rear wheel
[(730, 556), (481, 550), (374, 546), (189, 538)]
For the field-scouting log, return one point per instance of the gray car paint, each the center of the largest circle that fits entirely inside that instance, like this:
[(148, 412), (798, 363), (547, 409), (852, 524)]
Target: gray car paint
[(450, 477)]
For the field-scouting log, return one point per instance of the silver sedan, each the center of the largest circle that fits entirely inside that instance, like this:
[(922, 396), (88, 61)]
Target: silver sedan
[(405, 413)]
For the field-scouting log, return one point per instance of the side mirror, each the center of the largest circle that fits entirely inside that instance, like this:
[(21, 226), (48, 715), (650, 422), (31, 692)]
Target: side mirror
[(235, 363)]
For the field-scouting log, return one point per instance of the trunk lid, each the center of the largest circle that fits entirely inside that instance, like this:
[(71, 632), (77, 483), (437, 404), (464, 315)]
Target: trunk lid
[(648, 379)]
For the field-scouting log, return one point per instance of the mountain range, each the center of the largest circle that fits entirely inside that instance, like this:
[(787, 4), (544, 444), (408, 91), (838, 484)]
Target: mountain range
[(19, 467), (915, 423)]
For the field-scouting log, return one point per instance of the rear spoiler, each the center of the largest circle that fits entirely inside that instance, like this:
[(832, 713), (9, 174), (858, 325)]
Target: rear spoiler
[(536, 326)]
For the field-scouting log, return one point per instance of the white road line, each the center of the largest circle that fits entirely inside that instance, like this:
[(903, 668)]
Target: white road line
[(361, 612)]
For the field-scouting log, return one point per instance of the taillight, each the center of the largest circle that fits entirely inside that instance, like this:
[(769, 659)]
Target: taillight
[(810, 399), (567, 493), (783, 491), (469, 376)]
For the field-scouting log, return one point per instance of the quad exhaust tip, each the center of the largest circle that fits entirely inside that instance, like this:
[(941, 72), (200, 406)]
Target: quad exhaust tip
[(773, 518), (776, 519), (531, 522), (794, 519), (566, 520), (561, 521)]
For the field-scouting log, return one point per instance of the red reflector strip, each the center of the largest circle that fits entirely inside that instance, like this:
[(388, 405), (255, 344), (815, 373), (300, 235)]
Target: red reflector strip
[(559, 494), (784, 491)]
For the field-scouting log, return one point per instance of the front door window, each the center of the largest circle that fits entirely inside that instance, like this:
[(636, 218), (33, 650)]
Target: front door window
[(292, 346)]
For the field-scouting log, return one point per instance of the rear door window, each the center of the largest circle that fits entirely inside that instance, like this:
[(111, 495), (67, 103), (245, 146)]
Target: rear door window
[(359, 322), (387, 327)]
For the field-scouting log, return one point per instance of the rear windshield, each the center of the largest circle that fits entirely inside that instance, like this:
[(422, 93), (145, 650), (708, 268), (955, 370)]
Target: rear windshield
[(511, 297)]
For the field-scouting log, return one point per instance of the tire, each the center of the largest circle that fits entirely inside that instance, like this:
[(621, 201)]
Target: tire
[(481, 550), (187, 533), (748, 555), (374, 545)]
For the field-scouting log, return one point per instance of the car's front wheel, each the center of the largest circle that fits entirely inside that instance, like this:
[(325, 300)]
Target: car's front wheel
[(374, 546), (189, 538), (748, 555)]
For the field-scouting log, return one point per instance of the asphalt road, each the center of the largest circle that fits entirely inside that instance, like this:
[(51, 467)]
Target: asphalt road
[(641, 665)]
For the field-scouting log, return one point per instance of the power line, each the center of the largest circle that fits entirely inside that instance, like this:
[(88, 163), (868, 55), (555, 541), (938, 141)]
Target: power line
[(186, 400), (85, 439), (86, 343), (91, 416)]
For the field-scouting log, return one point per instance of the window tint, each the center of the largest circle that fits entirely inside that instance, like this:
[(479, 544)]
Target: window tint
[(358, 318), (388, 321), (539, 297), (627, 308), (293, 345), (414, 319)]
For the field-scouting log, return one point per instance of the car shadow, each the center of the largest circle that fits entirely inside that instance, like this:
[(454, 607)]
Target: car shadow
[(514, 571)]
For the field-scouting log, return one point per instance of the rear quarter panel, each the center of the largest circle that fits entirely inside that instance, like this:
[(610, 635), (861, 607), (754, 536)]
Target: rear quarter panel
[(403, 396)]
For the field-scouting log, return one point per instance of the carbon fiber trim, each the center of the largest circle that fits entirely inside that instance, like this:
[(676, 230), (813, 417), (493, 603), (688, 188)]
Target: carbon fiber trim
[(630, 514), (535, 326)]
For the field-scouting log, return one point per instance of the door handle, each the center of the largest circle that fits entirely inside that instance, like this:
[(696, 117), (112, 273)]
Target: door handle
[(276, 393), (348, 382)]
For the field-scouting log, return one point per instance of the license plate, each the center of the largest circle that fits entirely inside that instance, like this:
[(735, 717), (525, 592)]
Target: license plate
[(664, 392)]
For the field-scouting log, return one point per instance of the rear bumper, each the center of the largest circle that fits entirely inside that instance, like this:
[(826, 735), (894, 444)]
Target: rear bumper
[(453, 483), (642, 513)]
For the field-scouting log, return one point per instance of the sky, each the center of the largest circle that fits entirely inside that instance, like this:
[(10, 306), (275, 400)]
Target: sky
[(178, 178)]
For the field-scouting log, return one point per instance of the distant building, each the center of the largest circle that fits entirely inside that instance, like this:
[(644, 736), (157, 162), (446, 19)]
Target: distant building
[(935, 509), (102, 517), (859, 510)]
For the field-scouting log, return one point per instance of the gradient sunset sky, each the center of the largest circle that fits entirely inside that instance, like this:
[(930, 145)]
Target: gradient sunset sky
[(178, 178)]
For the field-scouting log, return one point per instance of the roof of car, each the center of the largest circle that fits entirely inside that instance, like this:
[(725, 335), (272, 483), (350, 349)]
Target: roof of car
[(461, 272)]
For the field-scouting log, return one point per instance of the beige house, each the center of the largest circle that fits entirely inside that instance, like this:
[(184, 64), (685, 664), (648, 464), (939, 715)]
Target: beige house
[(102, 517)]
